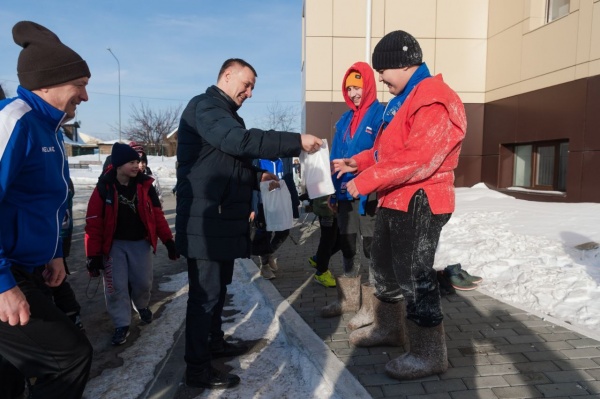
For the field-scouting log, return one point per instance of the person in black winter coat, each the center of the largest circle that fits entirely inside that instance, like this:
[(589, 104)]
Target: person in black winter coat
[(215, 179)]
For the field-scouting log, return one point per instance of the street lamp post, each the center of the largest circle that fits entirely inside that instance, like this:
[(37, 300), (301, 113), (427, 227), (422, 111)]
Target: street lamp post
[(119, 69)]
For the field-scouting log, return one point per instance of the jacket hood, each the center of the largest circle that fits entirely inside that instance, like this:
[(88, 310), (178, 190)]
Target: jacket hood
[(369, 89)]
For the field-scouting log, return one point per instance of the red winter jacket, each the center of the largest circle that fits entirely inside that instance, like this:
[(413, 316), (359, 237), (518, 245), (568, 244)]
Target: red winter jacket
[(101, 217), (418, 149)]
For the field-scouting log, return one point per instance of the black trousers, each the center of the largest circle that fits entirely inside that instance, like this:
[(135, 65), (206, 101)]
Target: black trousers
[(403, 253), (208, 281), (50, 347), (329, 242)]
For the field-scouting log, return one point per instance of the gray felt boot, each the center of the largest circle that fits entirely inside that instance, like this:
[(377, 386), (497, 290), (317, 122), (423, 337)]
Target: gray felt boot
[(427, 354), (387, 328), (348, 290), (365, 315)]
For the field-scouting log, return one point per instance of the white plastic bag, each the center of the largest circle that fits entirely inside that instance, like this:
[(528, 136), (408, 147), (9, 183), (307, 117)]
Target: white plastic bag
[(277, 206), (316, 172)]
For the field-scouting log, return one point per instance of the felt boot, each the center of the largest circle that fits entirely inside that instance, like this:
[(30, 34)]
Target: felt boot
[(427, 354), (348, 290), (387, 328), (365, 315)]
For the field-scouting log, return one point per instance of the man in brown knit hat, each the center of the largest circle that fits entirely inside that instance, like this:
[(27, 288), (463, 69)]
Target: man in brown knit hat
[(37, 340)]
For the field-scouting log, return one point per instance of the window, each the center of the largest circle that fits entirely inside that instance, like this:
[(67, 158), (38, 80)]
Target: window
[(556, 9), (541, 166)]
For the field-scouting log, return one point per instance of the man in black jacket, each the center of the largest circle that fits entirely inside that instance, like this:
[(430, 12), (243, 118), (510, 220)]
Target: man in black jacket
[(215, 179)]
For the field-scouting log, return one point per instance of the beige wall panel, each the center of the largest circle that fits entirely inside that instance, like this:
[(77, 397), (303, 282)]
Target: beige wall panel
[(584, 34), (502, 92), (504, 15), (595, 68), (582, 70), (319, 14), (534, 13), (575, 4), (429, 53), (318, 63), (346, 51), (462, 63), (504, 58), (547, 80), (414, 17), (319, 96), (471, 98), (595, 34), (550, 48), (462, 19), (349, 18), (377, 18)]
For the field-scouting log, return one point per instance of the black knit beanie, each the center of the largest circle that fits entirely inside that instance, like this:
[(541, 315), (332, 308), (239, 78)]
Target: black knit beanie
[(397, 49), (45, 61), (121, 154)]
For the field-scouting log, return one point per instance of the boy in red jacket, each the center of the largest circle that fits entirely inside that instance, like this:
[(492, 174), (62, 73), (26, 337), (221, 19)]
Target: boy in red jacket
[(411, 167), (123, 223)]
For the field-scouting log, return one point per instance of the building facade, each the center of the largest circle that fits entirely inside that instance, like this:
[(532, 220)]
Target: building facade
[(528, 72)]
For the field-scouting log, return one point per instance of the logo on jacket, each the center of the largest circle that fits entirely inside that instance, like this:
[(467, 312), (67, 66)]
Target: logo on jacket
[(48, 149), (369, 130)]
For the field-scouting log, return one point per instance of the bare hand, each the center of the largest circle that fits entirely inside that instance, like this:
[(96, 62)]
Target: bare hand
[(266, 176), (273, 185), (345, 165), (310, 143), (54, 274), (14, 308), (352, 190), (252, 216)]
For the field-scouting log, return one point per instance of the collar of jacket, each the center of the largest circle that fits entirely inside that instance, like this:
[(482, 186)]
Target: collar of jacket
[(230, 103), (50, 114)]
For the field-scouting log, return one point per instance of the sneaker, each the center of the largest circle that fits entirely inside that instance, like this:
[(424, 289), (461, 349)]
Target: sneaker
[(273, 263), (145, 315), (457, 280), (266, 273), (210, 378), (471, 278), (313, 261), (223, 348), (326, 279), (120, 335)]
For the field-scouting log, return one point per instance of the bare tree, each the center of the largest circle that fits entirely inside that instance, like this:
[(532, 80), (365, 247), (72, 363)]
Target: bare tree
[(281, 117), (151, 127)]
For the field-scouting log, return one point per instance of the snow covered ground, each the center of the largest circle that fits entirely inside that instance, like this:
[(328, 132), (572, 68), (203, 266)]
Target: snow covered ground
[(526, 251)]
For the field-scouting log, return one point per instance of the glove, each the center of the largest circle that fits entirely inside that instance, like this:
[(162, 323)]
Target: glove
[(94, 265), (173, 254)]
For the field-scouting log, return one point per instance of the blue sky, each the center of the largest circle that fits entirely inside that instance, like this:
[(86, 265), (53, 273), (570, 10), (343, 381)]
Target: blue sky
[(169, 51)]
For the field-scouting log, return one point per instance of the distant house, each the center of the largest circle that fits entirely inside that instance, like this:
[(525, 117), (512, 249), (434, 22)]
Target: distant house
[(74, 143)]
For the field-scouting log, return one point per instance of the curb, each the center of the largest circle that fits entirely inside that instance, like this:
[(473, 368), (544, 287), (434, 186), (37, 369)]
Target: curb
[(334, 373), (170, 372)]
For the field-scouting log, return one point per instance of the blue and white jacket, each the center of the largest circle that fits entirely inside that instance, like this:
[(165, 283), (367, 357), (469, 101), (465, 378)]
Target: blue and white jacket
[(34, 175), (345, 146)]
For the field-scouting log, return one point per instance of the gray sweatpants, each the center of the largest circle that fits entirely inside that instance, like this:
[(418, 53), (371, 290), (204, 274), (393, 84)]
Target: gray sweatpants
[(129, 265)]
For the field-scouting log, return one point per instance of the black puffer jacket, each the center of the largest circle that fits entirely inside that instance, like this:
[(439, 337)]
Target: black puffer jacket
[(215, 176)]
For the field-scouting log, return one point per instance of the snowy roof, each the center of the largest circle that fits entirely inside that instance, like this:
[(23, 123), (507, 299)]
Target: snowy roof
[(172, 133)]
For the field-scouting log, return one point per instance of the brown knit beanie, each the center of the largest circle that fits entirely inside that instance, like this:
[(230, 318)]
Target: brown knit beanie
[(397, 49), (45, 61)]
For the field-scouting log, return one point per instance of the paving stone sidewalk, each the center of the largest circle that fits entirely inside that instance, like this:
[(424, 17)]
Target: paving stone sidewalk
[(494, 350)]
